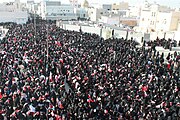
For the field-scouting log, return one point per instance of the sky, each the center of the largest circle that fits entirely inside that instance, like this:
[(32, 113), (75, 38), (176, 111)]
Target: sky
[(170, 3)]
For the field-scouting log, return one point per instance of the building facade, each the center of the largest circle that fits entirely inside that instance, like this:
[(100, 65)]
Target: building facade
[(54, 10), (13, 12), (155, 18), (81, 13), (96, 13), (120, 6), (107, 7)]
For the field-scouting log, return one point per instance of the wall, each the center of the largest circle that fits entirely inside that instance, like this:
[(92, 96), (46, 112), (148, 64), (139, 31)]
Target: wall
[(163, 21), (174, 21), (153, 19), (177, 33), (96, 13), (110, 20), (19, 17), (92, 13), (3, 32), (106, 33), (136, 36), (103, 32), (71, 27), (89, 29), (134, 11), (119, 33), (144, 21)]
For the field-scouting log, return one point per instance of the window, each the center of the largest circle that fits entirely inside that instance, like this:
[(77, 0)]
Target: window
[(142, 19), (152, 23), (153, 14), (164, 21)]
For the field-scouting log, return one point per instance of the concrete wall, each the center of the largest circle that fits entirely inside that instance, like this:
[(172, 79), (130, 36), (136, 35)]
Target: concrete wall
[(3, 32), (163, 21), (120, 34), (177, 36), (136, 36), (19, 17), (103, 32), (107, 32), (160, 35), (89, 29), (71, 27)]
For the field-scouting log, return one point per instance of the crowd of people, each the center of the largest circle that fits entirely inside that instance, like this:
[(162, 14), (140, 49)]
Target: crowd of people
[(58, 74), (166, 44)]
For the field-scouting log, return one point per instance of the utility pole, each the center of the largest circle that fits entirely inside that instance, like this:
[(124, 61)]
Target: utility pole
[(127, 33), (119, 17), (47, 41), (35, 27), (47, 52)]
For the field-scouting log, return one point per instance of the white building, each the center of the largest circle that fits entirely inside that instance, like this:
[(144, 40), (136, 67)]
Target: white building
[(54, 10), (134, 11), (13, 12), (156, 18), (30, 6), (96, 13), (81, 13)]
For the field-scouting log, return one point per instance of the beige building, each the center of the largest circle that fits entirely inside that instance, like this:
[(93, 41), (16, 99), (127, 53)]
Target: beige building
[(178, 26), (175, 19), (120, 6)]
